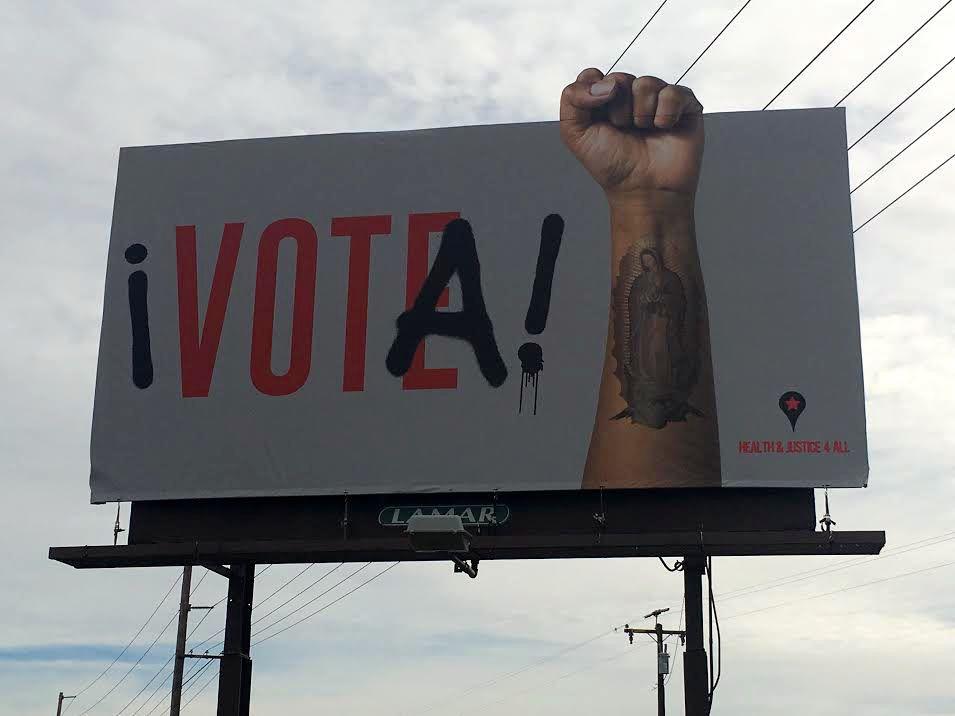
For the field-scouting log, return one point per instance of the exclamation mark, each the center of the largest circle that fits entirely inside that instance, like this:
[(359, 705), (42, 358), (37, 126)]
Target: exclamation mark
[(142, 359), (531, 355)]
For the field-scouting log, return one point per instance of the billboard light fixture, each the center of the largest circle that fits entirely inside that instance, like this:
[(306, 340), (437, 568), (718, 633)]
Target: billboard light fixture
[(443, 533), (438, 533)]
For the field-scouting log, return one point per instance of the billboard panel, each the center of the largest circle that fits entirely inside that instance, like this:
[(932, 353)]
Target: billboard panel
[(463, 309)]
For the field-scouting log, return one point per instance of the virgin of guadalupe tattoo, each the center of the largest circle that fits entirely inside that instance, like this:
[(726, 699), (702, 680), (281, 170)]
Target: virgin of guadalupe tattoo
[(656, 370)]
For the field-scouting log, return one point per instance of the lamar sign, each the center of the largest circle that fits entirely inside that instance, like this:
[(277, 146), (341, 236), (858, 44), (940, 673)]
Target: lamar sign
[(432, 311), (471, 515)]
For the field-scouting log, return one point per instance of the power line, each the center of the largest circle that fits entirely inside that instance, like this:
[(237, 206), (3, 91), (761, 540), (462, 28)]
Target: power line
[(705, 49), (197, 673), (146, 686), (636, 37), (259, 603), (133, 667), (154, 692), (163, 667), (126, 648), (566, 675), (844, 589), (511, 674), (879, 212), (902, 151), (296, 596), (891, 54), (334, 601), (891, 551), (910, 96), (819, 54), (204, 687), (849, 564), (308, 567)]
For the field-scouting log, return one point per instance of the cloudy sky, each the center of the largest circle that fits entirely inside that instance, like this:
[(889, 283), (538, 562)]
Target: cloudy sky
[(82, 79)]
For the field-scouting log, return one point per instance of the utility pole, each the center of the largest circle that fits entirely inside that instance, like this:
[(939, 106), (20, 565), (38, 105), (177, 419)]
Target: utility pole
[(663, 659), (176, 697), (59, 702)]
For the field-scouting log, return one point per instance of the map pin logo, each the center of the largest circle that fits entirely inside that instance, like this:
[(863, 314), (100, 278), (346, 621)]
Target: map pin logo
[(792, 404)]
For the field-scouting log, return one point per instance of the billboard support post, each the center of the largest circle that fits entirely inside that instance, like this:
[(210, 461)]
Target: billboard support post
[(694, 658), (235, 666)]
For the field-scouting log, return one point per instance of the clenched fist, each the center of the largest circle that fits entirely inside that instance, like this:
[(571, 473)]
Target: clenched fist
[(633, 134)]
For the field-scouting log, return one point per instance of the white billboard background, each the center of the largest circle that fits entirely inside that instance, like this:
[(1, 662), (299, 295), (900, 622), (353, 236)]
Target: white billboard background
[(773, 227)]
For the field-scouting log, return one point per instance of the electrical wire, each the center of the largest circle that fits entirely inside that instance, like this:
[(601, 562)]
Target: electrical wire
[(204, 687), (637, 36), (903, 150), (679, 627), (197, 672), (705, 49), (146, 686), (528, 667), (310, 601), (848, 564), (845, 589), (896, 107), (879, 212), (334, 601), (677, 566), (257, 604), (566, 675), (819, 54), (891, 54), (162, 668), (152, 695), (719, 638), (133, 667), (308, 567), (126, 648), (300, 593), (935, 539)]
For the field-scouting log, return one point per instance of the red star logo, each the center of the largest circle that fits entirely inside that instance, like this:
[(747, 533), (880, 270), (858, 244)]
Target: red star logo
[(793, 403)]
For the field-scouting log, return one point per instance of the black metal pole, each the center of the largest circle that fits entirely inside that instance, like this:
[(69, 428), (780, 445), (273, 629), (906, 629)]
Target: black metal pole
[(694, 659), (661, 699), (235, 667)]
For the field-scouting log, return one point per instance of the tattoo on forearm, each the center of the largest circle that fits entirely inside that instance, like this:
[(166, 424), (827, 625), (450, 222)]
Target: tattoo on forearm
[(657, 321)]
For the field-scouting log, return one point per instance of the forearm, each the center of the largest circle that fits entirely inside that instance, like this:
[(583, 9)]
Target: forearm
[(662, 221), (656, 413)]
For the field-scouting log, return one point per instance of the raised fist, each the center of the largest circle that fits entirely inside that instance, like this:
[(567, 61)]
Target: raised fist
[(633, 134)]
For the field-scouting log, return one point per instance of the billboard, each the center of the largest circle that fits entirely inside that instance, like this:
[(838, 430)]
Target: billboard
[(483, 308)]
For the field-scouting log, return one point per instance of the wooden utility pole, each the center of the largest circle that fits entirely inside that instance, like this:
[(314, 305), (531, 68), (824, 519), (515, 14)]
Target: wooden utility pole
[(176, 698), (59, 702), (663, 666)]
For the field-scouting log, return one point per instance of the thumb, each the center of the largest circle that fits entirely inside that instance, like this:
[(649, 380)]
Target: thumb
[(580, 98)]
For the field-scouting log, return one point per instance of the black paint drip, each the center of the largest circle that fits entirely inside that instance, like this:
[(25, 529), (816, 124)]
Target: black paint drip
[(138, 284), (532, 363)]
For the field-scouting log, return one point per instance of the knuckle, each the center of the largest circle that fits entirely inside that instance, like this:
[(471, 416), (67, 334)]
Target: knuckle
[(672, 94), (647, 83)]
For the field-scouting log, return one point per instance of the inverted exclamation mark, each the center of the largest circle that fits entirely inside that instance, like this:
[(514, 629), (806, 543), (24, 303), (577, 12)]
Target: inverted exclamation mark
[(142, 359), (552, 231), (531, 354)]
